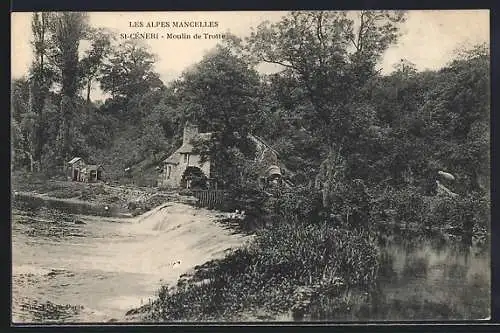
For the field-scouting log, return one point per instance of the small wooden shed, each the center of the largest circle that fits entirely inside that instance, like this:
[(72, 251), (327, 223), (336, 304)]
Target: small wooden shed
[(79, 171), (75, 168), (92, 173)]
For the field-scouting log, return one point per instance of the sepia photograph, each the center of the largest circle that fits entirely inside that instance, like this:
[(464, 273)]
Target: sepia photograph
[(250, 167)]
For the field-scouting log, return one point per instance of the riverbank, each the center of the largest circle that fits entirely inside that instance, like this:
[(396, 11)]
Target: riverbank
[(30, 191), (283, 273), (148, 267), (411, 277), (82, 268)]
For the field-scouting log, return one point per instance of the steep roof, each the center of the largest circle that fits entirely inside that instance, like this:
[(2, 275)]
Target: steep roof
[(185, 148), (188, 147), (172, 159)]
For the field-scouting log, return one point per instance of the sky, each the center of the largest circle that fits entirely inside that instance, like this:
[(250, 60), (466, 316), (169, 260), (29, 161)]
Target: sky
[(430, 37)]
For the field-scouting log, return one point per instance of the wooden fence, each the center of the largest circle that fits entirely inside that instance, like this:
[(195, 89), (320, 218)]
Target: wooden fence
[(209, 198)]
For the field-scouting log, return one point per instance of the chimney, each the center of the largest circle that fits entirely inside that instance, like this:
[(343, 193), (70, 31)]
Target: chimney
[(190, 132)]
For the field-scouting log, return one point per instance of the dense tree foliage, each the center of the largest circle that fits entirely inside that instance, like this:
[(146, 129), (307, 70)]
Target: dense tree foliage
[(129, 71), (333, 118), (329, 60), (221, 94)]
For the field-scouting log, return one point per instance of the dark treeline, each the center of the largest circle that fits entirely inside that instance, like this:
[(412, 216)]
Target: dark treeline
[(344, 131), (360, 147)]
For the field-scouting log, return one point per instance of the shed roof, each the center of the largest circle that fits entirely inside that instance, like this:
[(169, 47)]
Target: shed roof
[(172, 159), (74, 160), (93, 167)]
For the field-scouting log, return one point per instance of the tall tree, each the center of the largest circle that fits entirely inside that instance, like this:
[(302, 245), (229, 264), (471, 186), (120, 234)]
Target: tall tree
[(41, 78), (93, 59), (129, 71), (68, 29), (329, 56), (332, 56)]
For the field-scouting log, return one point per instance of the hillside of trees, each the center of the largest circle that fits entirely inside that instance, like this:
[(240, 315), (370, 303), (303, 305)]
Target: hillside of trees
[(333, 118), (329, 113)]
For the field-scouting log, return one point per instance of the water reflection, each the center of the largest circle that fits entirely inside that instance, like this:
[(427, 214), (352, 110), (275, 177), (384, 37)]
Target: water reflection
[(430, 278)]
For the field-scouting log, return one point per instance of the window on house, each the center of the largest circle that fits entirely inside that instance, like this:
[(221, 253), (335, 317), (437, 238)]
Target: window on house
[(169, 170), (186, 158)]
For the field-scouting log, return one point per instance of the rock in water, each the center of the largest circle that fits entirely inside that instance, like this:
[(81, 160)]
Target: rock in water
[(446, 175)]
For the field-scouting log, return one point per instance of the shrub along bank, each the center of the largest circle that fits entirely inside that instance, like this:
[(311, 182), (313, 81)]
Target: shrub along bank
[(288, 268), (317, 270)]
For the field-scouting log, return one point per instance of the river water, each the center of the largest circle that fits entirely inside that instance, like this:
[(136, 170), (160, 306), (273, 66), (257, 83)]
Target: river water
[(97, 271), (63, 272), (424, 277)]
